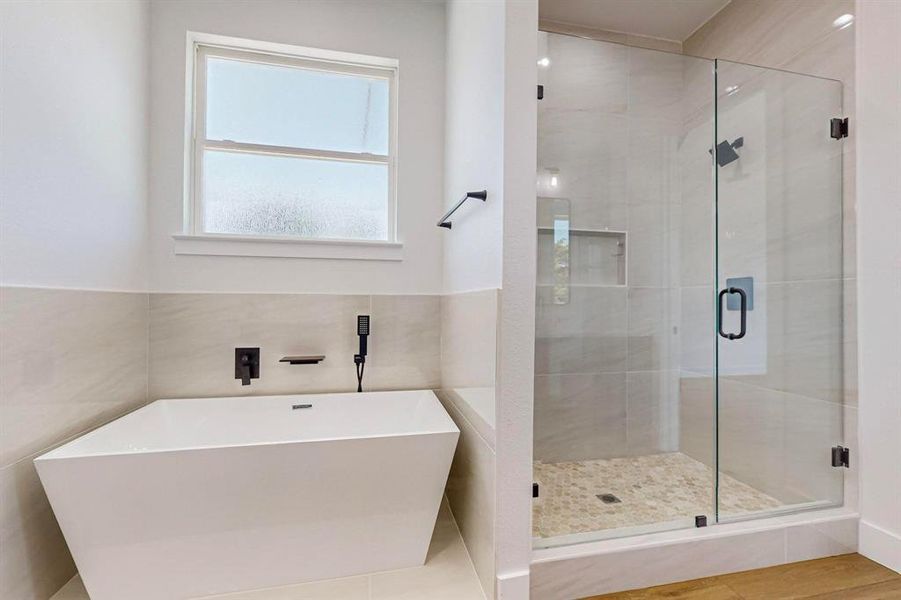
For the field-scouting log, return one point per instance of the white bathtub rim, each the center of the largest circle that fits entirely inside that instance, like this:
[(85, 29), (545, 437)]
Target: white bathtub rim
[(59, 453), (44, 458)]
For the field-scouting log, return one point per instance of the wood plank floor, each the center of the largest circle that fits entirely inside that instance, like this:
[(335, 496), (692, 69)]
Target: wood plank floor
[(846, 577)]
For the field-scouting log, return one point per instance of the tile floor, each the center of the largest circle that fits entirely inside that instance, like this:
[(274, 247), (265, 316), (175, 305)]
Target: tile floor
[(651, 489), (447, 575)]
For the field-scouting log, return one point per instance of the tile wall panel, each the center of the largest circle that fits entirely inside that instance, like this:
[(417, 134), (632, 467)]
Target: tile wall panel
[(70, 360)]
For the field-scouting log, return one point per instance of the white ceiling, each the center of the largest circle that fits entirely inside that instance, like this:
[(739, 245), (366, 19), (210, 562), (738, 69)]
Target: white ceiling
[(668, 19)]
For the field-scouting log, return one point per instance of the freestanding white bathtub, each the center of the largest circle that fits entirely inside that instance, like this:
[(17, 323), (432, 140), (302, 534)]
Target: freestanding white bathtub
[(185, 498)]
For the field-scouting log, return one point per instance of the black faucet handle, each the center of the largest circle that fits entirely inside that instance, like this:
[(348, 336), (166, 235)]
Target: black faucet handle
[(247, 364)]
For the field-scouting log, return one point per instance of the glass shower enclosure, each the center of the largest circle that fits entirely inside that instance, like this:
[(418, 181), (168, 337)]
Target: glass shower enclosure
[(688, 353)]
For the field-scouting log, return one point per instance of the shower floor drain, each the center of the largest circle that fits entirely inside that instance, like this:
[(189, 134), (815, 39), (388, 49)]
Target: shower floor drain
[(608, 499)]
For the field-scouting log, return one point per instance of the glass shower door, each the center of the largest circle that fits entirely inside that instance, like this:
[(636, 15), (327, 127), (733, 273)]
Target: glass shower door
[(666, 183), (780, 291), (624, 426)]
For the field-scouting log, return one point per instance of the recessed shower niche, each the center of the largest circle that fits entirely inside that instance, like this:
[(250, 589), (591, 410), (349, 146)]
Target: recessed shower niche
[(571, 256)]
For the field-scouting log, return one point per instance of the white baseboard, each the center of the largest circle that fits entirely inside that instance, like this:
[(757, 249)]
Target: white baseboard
[(513, 586), (880, 545)]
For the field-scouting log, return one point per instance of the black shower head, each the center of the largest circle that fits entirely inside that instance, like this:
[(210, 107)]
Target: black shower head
[(725, 152)]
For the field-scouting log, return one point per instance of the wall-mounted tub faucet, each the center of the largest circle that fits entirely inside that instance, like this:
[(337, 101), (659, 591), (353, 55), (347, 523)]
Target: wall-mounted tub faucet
[(247, 364)]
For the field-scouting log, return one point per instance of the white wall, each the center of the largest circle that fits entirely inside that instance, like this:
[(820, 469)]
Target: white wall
[(474, 143), (879, 267), (473, 160), (491, 143), (412, 32), (73, 214), (73, 149), (516, 322)]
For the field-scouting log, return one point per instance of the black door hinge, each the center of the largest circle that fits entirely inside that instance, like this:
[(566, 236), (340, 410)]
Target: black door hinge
[(534, 490), (841, 457), (838, 128), (700, 520), (541, 92)]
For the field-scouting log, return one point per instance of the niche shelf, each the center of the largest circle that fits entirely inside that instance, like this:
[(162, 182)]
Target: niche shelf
[(576, 258)]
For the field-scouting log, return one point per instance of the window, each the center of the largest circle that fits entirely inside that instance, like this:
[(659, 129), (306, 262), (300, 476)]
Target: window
[(291, 143)]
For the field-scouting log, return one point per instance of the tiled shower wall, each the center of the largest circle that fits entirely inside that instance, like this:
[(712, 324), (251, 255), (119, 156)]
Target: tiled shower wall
[(802, 397), (606, 357), (72, 360)]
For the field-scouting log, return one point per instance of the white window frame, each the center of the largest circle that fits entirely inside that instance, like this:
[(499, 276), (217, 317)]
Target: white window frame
[(192, 239)]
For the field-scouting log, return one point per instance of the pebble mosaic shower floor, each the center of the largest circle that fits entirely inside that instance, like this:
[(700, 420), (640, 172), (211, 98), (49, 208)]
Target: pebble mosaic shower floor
[(650, 489)]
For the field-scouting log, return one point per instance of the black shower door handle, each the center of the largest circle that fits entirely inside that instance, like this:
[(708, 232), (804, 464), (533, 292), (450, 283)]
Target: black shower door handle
[(744, 313)]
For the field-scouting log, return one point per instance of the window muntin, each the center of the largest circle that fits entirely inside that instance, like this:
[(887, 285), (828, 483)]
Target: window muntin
[(290, 146)]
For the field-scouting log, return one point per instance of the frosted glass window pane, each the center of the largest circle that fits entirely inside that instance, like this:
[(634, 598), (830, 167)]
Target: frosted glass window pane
[(288, 106), (299, 197)]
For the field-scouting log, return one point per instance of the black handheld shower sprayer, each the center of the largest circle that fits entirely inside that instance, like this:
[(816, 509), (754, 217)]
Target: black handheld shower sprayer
[(360, 357)]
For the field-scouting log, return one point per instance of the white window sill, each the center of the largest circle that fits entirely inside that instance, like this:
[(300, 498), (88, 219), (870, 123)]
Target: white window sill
[(274, 247)]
